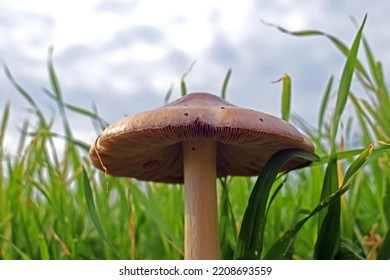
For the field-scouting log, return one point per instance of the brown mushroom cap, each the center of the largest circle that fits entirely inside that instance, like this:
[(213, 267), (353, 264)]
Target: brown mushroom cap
[(148, 145)]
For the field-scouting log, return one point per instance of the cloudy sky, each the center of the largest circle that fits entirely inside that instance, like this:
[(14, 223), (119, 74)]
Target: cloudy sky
[(124, 55)]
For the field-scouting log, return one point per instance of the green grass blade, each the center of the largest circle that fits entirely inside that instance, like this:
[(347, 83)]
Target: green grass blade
[(227, 222), (345, 83), (377, 152), (370, 59), (30, 100), (93, 212), (376, 71), (23, 255), (330, 182), (324, 104), (386, 203), (183, 86), (250, 239), (225, 83), (275, 193), (71, 154), (350, 251), (339, 45), (52, 74), (328, 240), (364, 120), (149, 200), (168, 94), (24, 93), (57, 92), (99, 124), (357, 164), (384, 250), (44, 250), (74, 142), (286, 97), (4, 121), (280, 248), (75, 109), (329, 234)]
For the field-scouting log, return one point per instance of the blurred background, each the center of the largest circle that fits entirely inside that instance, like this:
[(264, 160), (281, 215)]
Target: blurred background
[(123, 56)]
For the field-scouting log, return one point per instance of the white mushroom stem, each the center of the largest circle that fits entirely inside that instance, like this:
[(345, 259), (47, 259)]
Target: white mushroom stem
[(201, 214)]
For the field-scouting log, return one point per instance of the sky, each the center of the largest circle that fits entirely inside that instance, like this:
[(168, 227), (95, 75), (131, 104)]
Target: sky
[(123, 56)]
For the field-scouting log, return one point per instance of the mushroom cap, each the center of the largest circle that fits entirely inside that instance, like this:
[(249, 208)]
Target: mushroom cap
[(148, 145)]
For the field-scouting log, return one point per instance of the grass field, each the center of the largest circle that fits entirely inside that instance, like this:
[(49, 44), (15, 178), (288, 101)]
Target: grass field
[(57, 206)]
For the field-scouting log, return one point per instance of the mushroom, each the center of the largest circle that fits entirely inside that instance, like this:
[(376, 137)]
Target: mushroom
[(194, 140)]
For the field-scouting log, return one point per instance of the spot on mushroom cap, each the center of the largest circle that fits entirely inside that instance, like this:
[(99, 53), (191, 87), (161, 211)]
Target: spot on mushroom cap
[(148, 145)]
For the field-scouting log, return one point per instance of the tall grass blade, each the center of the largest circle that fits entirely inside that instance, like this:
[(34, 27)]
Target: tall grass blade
[(43, 124), (99, 124), (329, 234), (24, 93), (44, 250), (286, 96), (386, 203), (168, 94), (92, 211), (74, 142), (57, 92), (225, 83), (280, 248), (364, 120), (376, 153), (371, 61), (384, 250), (4, 121), (183, 85), (227, 222), (327, 240), (149, 201), (339, 45), (328, 237), (345, 83), (23, 255), (324, 104), (381, 91), (250, 239), (52, 74), (357, 164), (75, 109)]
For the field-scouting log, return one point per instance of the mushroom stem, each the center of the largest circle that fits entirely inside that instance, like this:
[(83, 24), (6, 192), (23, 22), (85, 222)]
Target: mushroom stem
[(201, 214)]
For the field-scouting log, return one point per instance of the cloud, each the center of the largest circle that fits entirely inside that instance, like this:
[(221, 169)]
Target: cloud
[(115, 6), (144, 33)]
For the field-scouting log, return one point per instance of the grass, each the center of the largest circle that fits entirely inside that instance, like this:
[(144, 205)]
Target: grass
[(57, 206)]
